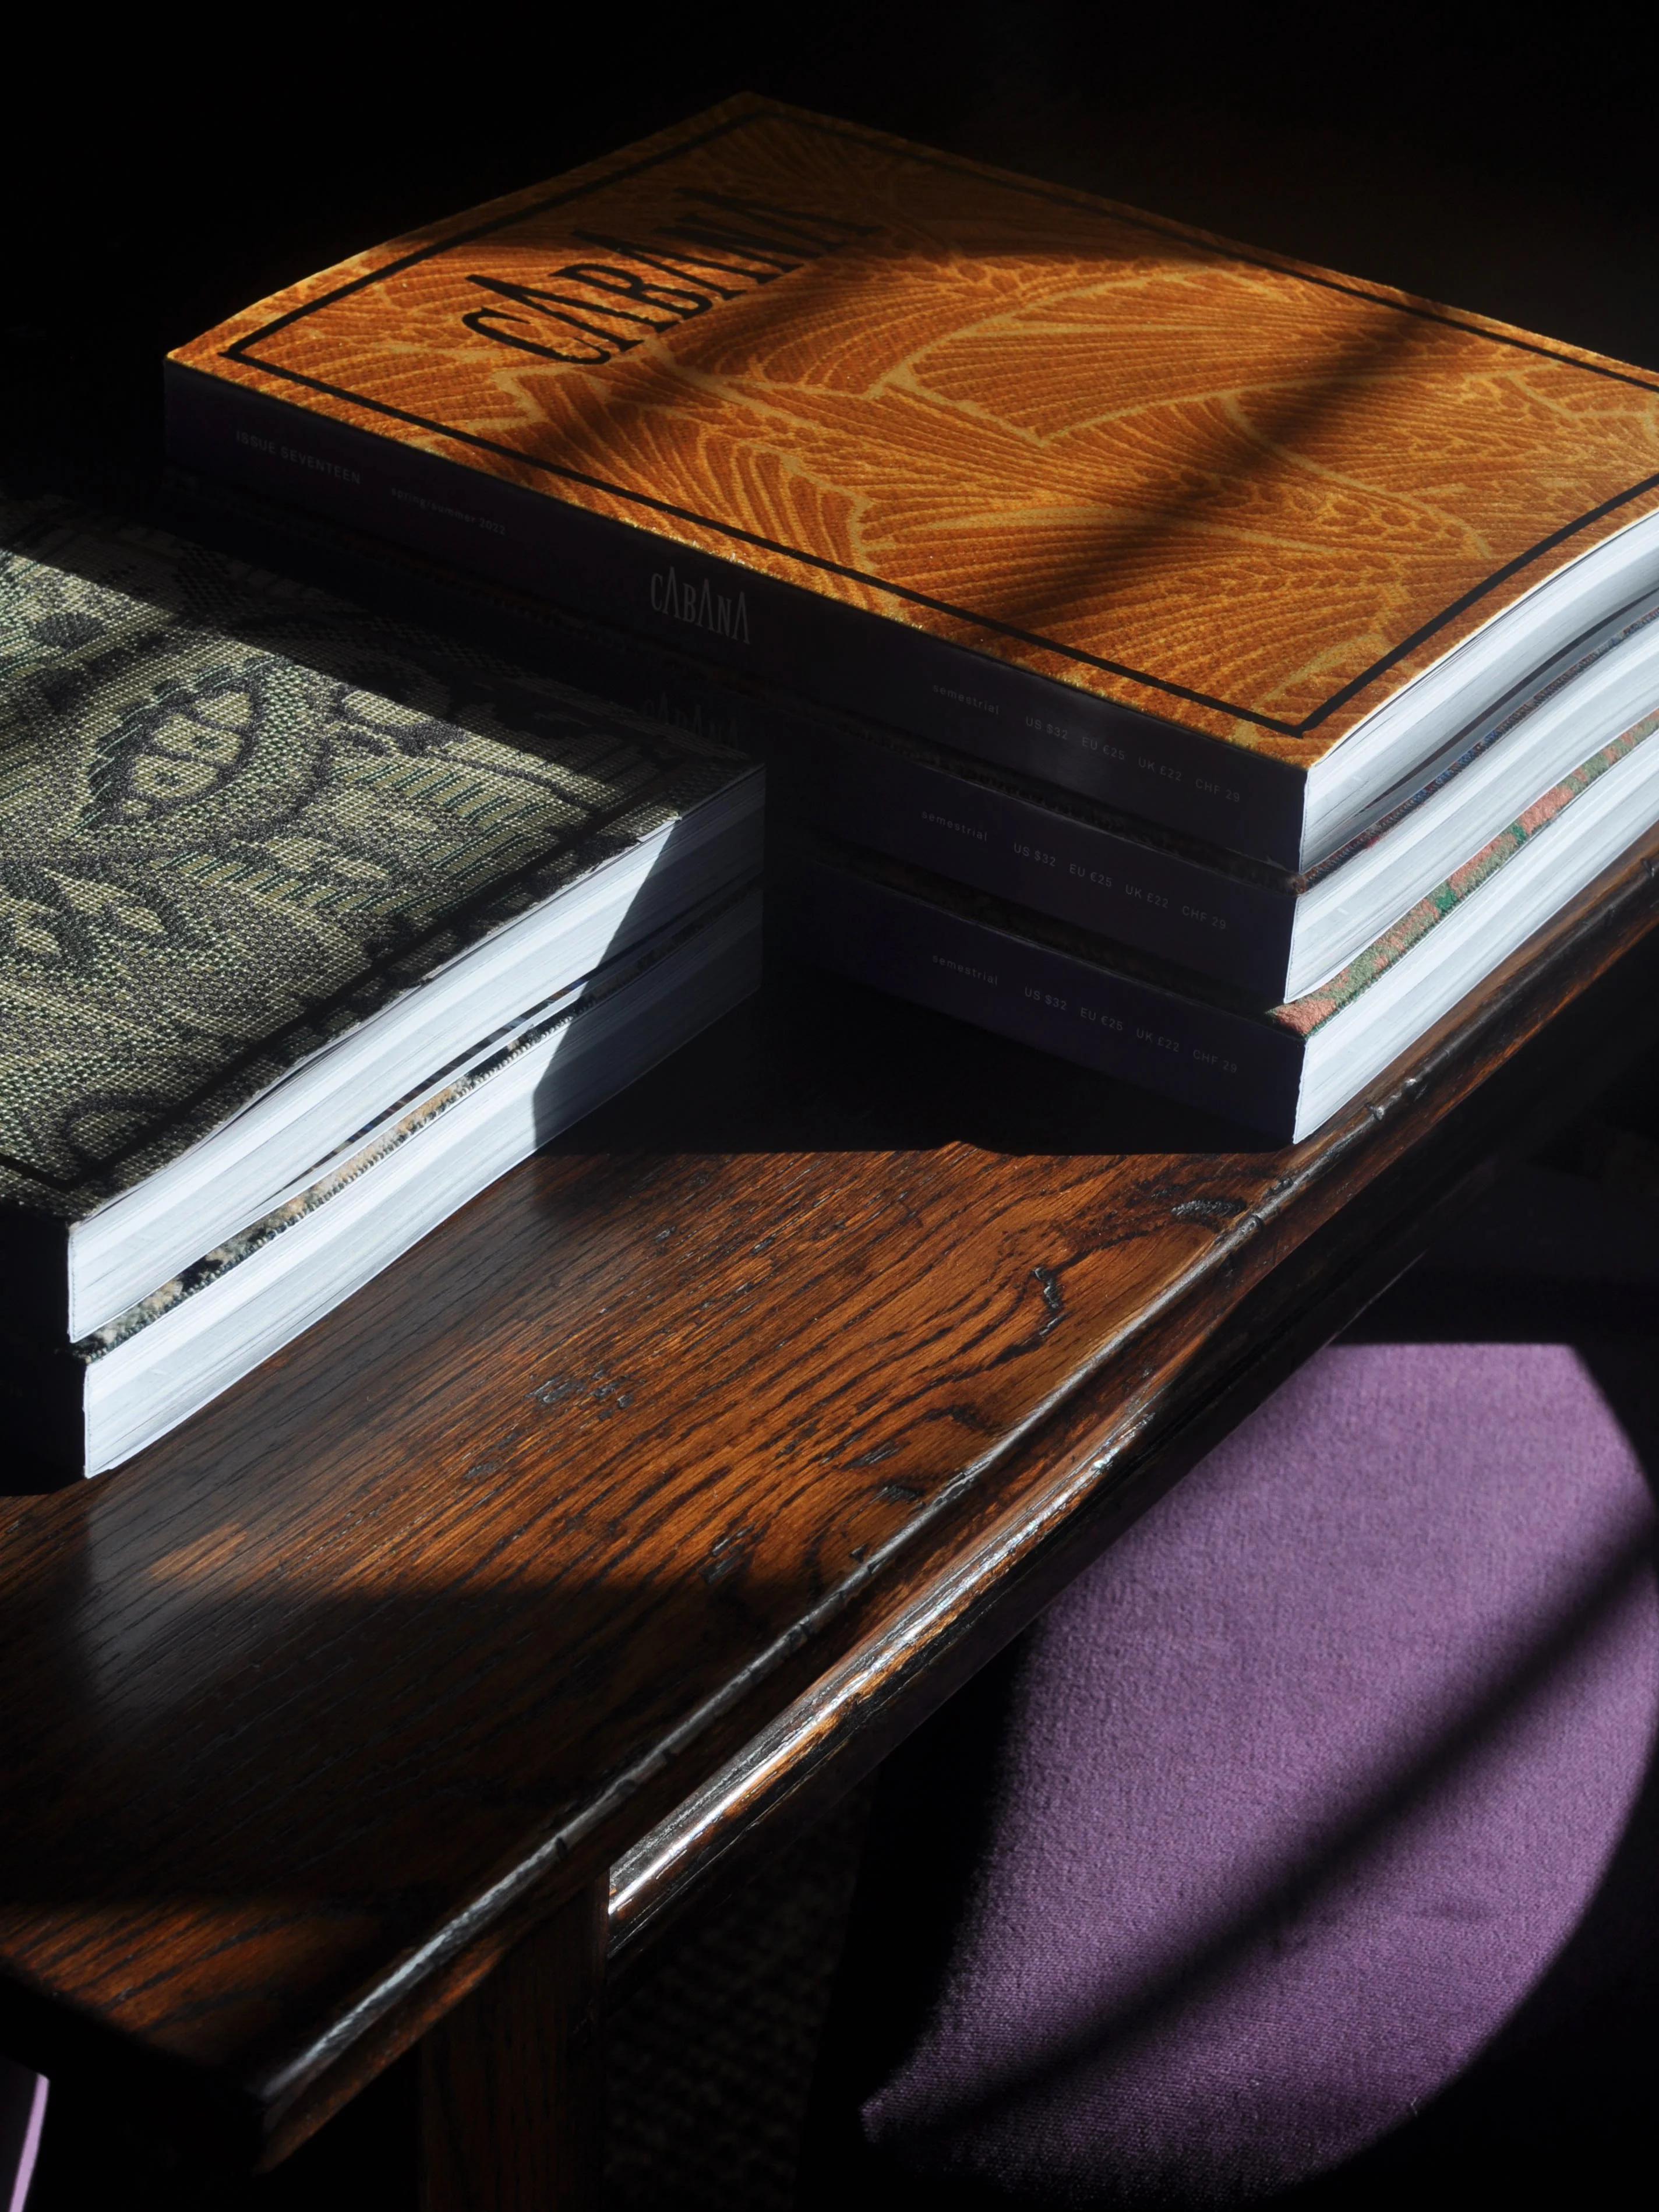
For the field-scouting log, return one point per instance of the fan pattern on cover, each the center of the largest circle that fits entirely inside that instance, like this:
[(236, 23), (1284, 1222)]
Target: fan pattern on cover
[(236, 817), (1218, 486)]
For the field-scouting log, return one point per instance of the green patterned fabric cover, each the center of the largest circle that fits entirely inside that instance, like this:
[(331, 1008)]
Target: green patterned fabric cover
[(1311, 1011), (237, 817)]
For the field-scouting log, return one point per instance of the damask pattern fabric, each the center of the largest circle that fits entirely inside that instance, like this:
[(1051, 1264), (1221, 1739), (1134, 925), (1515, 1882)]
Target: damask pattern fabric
[(237, 817)]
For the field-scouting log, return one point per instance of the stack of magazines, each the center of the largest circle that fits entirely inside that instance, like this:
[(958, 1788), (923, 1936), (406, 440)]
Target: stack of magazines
[(313, 928), (1203, 665)]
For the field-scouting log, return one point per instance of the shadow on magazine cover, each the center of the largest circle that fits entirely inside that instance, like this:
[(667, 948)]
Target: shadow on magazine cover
[(1238, 426)]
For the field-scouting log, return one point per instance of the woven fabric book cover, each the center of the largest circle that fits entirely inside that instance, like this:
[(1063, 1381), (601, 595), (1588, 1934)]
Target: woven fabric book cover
[(237, 818), (1244, 496)]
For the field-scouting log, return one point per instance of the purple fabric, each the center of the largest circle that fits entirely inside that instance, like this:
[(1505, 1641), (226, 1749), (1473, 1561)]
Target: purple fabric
[(1301, 1792), (23, 2111)]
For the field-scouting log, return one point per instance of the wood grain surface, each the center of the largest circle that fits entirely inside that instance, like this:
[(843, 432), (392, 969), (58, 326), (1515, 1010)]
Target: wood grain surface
[(675, 1472), (1223, 487)]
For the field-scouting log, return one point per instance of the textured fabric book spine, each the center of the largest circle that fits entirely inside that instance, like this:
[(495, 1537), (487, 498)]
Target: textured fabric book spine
[(821, 647), (1039, 995)]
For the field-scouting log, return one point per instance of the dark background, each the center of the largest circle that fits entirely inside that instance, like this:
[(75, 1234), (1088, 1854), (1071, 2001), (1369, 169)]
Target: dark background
[(164, 171)]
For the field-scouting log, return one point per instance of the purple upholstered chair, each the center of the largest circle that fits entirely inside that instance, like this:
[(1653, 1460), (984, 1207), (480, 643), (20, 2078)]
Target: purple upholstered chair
[(22, 2109), (1304, 1852)]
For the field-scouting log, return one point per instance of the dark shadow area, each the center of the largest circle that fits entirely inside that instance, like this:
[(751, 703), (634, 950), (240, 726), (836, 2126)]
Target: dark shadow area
[(366, 2160), (1549, 1257), (916, 1869), (710, 2043), (938, 1798), (1507, 174), (819, 1064)]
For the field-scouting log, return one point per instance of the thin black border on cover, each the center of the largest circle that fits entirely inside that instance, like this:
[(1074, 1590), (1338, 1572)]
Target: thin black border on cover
[(242, 351)]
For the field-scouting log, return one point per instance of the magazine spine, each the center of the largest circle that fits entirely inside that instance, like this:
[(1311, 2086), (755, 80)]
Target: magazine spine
[(43, 1404), (34, 1263), (777, 632), (1037, 994), (627, 671), (825, 773), (1081, 872)]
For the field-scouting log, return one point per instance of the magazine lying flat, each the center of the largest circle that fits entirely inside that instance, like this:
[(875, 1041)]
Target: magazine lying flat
[(1285, 1068), (1233, 543), (1238, 923), (268, 861), (357, 1210)]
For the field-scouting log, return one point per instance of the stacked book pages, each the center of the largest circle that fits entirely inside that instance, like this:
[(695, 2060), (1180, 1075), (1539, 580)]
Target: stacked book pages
[(1207, 666), (311, 930)]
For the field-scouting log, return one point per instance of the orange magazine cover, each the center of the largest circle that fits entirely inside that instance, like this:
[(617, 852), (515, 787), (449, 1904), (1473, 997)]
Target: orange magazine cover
[(1073, 487)]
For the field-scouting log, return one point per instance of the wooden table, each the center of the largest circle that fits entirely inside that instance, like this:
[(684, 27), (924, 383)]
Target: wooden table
[(636, 1513)]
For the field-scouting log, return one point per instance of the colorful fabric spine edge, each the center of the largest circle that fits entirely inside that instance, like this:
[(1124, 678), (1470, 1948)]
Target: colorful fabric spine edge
[(1315, 1008)]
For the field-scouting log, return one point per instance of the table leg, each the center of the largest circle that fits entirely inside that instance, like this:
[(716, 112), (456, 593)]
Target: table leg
[(512, 2088)]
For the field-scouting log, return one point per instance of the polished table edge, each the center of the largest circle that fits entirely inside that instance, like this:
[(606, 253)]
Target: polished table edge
[(1097, 1444), (780, 1781), (854, 1672)]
